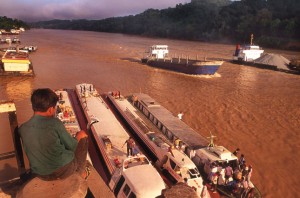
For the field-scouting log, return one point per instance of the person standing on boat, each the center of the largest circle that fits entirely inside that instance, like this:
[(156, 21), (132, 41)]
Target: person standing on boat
[(130, 145), (52, 152), (236, 151), (204, 192), (242, 161), (180, 115), (228, 173)]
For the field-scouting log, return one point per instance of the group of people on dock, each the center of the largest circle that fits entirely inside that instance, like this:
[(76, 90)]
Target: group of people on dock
[(233, 176)]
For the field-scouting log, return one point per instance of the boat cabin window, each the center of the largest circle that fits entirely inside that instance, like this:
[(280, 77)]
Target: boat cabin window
[(119, 185), (194, 173), (170, 135), (173, 164), (132, 195), (127, 191), (164, 130)]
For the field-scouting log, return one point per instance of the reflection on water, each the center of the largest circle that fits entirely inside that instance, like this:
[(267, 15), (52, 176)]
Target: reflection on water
[(254, 109), (18, 89)]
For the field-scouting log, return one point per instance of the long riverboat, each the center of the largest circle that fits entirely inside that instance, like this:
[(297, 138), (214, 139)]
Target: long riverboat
[(207, 156), (131, 176), (157, 56), (170, 158)]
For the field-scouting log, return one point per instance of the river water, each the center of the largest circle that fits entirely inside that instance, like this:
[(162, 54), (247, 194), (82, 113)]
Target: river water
[(254, 109)]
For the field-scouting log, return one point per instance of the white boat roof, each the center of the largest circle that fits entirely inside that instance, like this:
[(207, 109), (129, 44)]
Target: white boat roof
[(182, 160), (217, 153), (159, 46), (145, 180), (108, 125), (251, 47)]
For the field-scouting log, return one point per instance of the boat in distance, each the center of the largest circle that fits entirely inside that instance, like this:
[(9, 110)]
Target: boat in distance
[(131, 176), (157, 56), (16, 63)]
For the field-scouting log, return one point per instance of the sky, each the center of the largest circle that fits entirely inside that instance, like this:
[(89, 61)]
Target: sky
[(38, 10)]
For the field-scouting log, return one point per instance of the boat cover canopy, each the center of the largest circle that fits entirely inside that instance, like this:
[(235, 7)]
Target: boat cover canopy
[(178, 128)]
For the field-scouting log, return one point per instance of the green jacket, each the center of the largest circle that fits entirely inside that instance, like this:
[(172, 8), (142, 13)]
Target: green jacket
[(47, 144)]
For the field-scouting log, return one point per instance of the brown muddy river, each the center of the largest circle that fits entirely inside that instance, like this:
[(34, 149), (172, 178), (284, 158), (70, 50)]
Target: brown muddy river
[(254, 109)]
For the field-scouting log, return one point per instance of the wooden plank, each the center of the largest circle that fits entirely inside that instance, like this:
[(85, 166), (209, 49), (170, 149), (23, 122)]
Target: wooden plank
[(7, 106)]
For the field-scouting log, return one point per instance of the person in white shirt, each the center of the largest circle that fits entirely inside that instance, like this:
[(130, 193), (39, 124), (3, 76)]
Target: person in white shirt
[(180, 115)]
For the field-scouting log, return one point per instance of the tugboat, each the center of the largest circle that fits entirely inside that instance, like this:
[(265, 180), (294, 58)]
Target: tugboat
[(247, 53), (157, 56)]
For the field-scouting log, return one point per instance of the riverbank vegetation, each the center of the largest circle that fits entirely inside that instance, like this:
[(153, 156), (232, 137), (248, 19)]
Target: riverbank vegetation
[(9, 23), (274, 23)]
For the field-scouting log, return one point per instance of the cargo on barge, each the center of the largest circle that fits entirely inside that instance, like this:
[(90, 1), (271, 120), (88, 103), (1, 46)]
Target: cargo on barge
[(157, 56)]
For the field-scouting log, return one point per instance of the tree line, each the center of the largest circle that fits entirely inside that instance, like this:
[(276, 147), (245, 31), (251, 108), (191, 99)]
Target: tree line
[(9, 23), (274, 23)]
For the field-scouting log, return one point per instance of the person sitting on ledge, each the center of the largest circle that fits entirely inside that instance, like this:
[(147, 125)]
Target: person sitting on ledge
[(52, 152)]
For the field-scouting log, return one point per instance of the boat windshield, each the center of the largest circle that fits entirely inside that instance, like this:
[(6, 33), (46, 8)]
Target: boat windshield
[(189, 173), (194, 173)]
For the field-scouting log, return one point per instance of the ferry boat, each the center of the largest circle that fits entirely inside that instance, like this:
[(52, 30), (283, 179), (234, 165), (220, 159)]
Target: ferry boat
[(170, 158), (16, 63), (204, 153), (157, 56), (247, 53), (131, 176)]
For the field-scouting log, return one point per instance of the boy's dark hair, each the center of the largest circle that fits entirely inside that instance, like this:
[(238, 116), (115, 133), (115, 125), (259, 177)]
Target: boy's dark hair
[(43, 99)]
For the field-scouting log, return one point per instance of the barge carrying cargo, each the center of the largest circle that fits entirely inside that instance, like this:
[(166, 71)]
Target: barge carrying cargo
[(157, 56)]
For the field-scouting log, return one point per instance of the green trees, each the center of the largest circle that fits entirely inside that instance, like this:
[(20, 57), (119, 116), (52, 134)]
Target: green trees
[(273, 22), (8, 23)]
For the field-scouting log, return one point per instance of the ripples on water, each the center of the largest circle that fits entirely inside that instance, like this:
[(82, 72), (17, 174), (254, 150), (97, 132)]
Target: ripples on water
[(253, 109)]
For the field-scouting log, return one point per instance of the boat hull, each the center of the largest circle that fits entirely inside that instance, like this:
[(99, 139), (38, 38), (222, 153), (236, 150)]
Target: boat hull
[(191, 67)]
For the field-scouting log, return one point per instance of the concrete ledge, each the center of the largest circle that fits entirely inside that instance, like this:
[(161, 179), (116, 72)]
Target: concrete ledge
[(72, 187)]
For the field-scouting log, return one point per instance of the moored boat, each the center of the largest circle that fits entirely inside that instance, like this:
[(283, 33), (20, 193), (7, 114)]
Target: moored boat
[(170, 158), (132, 176), (16, 63), (203, 153), (157, 56)]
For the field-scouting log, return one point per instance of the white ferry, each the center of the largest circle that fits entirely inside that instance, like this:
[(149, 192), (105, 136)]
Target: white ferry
[(170, 158), (247, 53), (204, 153), (131, 176)]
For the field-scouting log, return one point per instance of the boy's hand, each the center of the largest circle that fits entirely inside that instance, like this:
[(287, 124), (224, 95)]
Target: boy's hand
[(81, 134)]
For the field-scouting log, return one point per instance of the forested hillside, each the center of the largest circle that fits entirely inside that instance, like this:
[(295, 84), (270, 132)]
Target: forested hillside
[(8, 23), (275, 23)]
